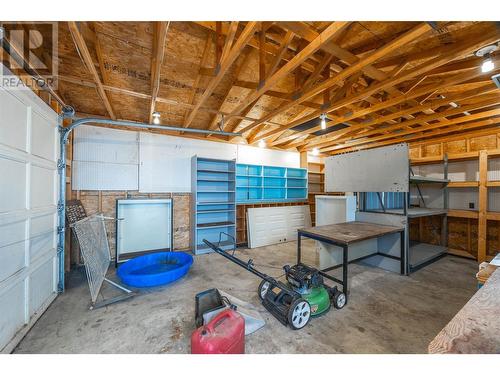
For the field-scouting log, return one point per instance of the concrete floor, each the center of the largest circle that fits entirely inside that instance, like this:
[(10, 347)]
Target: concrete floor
[(386, 313)]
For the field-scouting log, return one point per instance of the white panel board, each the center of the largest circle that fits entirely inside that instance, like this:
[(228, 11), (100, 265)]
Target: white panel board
[(43, 184), (44, 137), (41, 285), (13, 121), (494, 199), (165, 161), (12, 302), (89, 175), (143, 225), (13, 186), (28, 192), (459, 199), (12, 247), (335, 209), (105, 159), (43, 235), (494, 169), (383, 169), (272, 225), (264, 156)]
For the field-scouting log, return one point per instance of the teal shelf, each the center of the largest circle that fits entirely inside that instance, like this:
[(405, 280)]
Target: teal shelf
[(261, 184), (213, 186)]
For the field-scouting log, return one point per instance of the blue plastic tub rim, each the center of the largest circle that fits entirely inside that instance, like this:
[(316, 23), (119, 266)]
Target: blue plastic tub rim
[(155, 269)]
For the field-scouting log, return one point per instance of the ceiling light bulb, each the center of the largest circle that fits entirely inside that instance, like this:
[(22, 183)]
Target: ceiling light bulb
[(156, 118), (487, 65), (323, 122), (315, 151), (262, 143)]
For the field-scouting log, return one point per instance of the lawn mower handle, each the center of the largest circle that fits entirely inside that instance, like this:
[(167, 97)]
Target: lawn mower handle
[(248, 266)]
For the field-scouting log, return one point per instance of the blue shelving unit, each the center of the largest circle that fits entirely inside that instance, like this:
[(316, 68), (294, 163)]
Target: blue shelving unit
[(261, 183), (213, 188)]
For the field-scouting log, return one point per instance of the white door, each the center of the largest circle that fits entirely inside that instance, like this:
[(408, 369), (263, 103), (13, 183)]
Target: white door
[(28, 212), (272, 225)]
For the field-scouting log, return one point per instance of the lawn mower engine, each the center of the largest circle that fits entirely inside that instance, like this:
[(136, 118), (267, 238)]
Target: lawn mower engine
[(311, 297), (308, 282)]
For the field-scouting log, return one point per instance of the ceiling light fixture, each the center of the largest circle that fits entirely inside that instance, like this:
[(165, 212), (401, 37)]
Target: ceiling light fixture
[(315, 151), (156, 118), (262, 143), (323, 121), (487, 65)]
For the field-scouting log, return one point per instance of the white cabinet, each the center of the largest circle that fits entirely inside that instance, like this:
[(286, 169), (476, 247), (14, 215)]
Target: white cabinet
[(335, 209), (272, 225)]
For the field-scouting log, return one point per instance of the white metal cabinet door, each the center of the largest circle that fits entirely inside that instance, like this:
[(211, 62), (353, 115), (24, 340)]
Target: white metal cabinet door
[(297, 217), (272, 225), (28, 212), (266, 226)]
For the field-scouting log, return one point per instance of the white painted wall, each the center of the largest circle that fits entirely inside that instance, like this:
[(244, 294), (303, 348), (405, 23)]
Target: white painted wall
[(110, 159), (105, 159), (264, 156), (28, 212), (165, 161)]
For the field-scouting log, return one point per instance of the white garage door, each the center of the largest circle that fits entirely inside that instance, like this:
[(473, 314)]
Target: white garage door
[(28, 212)]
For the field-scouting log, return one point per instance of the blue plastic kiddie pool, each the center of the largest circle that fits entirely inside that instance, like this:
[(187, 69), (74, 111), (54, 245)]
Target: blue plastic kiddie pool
[(155, 269)]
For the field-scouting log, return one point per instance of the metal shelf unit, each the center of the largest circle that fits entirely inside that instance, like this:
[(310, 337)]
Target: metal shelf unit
[(213, 203), (420, 254)]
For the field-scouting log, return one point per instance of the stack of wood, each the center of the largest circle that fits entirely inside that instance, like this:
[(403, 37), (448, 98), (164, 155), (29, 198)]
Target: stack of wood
[(485, 271)]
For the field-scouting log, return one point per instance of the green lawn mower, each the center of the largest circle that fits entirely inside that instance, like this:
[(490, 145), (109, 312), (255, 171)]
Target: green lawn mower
[(304, 295)]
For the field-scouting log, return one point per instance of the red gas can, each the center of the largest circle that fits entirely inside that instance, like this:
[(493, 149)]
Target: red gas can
[(224, 334)]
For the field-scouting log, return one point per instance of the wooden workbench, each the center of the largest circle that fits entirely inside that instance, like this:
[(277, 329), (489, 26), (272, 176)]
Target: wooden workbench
[(345, 234), (476, 327), (351, 232)]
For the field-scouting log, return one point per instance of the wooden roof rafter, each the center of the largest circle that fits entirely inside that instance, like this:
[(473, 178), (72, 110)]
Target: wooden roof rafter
[(294, 63), (463, 118), (84, 52), (464, 130), (405, 38), (459, 49), (159, 40), (231, 55), (343, 133)]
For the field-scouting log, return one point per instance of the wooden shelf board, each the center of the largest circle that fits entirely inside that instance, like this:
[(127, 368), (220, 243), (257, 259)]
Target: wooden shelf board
[(493, 184), (491, 215), (464, 214), (463, 184)]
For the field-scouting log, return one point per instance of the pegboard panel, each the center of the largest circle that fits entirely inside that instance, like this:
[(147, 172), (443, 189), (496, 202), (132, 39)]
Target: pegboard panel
[(383, 169)]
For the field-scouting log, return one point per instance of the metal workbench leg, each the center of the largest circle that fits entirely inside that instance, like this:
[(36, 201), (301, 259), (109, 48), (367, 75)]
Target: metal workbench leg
[(345, 264), (402, 256), (299, 245)]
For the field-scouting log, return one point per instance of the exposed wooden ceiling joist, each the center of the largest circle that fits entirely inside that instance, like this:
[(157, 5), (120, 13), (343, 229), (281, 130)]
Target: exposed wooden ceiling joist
[(83, 50), (225, 64), (159, 41)]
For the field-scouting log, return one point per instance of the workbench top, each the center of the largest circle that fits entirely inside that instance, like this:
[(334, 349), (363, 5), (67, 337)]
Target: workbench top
[(476, 327), (350, 232)]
